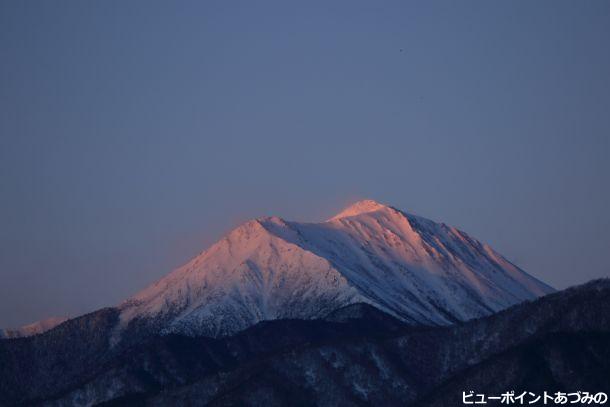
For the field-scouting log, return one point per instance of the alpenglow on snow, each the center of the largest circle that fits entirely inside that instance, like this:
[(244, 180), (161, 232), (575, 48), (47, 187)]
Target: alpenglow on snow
[(418, 270)]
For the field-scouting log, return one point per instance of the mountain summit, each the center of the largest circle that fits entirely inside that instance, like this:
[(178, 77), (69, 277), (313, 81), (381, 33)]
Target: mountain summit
[(360, 207), (417, 270)]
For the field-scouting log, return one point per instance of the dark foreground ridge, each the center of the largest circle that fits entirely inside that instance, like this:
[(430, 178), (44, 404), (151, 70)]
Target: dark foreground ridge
[(355, 356)]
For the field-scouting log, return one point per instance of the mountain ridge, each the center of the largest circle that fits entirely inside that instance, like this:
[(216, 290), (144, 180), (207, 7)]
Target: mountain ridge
[(417, 270), (356, 355), (34, 328)]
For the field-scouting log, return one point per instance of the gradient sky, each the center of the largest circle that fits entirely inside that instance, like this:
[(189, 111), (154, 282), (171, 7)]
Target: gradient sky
[(134, 134)]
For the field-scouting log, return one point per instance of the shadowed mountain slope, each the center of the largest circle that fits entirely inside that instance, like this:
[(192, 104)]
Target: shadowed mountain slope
[(355, 356)]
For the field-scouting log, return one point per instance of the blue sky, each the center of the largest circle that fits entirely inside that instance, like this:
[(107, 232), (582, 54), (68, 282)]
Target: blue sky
[(134, 134)]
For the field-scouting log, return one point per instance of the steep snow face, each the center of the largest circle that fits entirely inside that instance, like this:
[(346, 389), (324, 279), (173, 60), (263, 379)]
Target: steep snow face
[(33, 328), (418, 270), (412, 267)]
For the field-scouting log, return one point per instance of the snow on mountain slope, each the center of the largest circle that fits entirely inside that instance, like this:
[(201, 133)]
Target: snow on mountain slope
[(33, 328), (418, 270), (249, 276)]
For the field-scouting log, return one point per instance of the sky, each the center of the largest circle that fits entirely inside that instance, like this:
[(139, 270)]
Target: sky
[(135, 134)]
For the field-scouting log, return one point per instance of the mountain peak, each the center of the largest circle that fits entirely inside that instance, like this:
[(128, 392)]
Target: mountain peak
[(360, 207)]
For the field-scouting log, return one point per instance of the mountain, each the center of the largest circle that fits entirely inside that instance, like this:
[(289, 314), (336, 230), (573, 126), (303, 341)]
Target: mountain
[(412, 268), (356, 355), (33, 328), (560, 342)]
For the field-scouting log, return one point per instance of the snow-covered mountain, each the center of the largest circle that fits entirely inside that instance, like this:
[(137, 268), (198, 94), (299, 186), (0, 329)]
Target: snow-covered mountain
[(34, 328), (413, 268)]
